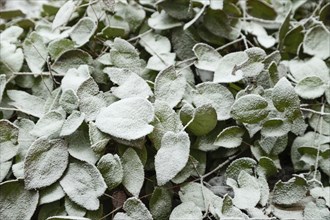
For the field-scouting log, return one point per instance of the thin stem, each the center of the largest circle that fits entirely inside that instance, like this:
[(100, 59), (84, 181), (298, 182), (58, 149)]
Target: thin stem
[(139, 36), (322, 113), (189, 122), (8, 109), (219, 166), (36, 74), (110, 213), (319, 142)]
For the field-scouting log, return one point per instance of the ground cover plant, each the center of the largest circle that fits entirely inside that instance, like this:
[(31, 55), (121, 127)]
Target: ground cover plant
[(170, 109)]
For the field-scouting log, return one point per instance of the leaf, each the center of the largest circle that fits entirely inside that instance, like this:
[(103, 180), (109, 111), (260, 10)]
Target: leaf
[(186, 210), (246, 189), (57, 47), (11, 34), (26, 103), (155, 44), (230, 137), (217, 95), (127, 119), (316, 210), (11, 57), (49, 125), (275, 127), (135, 209), (161, 21), (82, 31), (16, 202), (64, 14), (316, 42), (250, 109), (310, 87), (274, 145), (238, 165), (170, 86), (3, 82), (74, 77), (45, 163), (229, 210), (130, 84), (111, 170), (69, 100), (207, 56), (160, 203), (286, 193), (161, 61), (98, 139), (35, 52), (253, 66), (172, 156), (4, 169), (83, 183), (73, 209), (133, 172), (72, 123), (51, 193), (8, 140), (266, 167)]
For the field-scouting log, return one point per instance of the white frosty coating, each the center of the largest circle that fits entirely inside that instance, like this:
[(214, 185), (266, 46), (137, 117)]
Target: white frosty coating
[(208, 57), (186, 210), (217, 95), (246, 189), (311, 87), (69, 100), (8, 140), (130, 84), (83, 183), (11, 56), (111, 170), (161, 61), (155, 43), (75, 77), (127, 119), (133, 172), (16, 202), (35, 52), (230, 137), (72, 123), (136, 210), (275, 127), (51, 193), (49, 125), (83, 31), (161, 21), (316, 42), (169, 86), (63, 15), (73, 209), (160, 204), (26, 103), (45, 163), (172, 156)]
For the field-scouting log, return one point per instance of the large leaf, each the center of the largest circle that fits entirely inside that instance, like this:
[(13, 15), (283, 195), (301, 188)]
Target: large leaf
[(64, 13), (317, 43)]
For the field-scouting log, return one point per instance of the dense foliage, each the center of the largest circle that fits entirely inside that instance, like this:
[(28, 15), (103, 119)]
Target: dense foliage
[(170, 109)]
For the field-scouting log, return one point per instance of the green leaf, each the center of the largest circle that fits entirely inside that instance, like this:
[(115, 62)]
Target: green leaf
[(238, 165), (82, 31), (130, 84), (230, 137), (17, 202), (260, 9), (266, 167), (72, 123), (35, 52), (127, 119), (229, 210), (57, 47), (8, 140), (170, 86), (246, 189), (310, 87), (208, 57), (83, 183), (135, 209), (133, 172), (186, 210), (26, 103), (172, 156), (275, 127), (292, 191), (316, 42), (274, 145), (111, 170), (250, 109), (64, 14), (160, 203), (180, 11), (161, 21), (217, 95), (45, 163), (49, 125)]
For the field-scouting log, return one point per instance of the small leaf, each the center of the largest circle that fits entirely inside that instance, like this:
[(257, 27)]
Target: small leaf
[(230, 137), (170, 86), (17, 202), (57, 47), (275, 127), (250, 109), (72, 123), (64, 13), (208, 57), (243, 163), (161, 61), (310, 87), (73, 209), (111, 170), (83, 31), (266, 167), (11, 57), (4, 169), (155, 44), (135, 209), (133, 172), (172, 156), (309, 67), (161, 21), (51, 193), (69, 100), (45, 163), (186, 210), (160, 203), (316, 42), (127, 119), (8, 140), (49, 125), (83, 183)]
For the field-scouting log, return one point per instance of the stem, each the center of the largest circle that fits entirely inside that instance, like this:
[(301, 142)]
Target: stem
[(219, 166), (319, 142), (8, 109), (322, 113), (35, 74), (140, 35)]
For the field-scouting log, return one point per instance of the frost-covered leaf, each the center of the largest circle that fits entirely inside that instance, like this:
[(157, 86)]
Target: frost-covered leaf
[(217, 95), (292, 191), (64, 13), (230, 137), (127, 119), (8, 140), (133, 172), (266, 167), (186, 210), (69, 100), (317, 42), (17, 202), (250, 109), (3, 83), (49, 125), (228, 209), (246, 189), (316, 210), (35, 52), (4, 169), (170, 86), (83, 31), (238, 165), (74, 77), (51, 193), (97, 138), (26, 103), (172, 156), (83, 183), (160, 203), (111, 170), (135, 209), (162, 21), (130, 84), (275, 127), (208, 57), (73, 209), (72, 123), (45, 163), (161, 61), (155, 44), (323, 192), (11, 57), (57, 47), (11, 34), (310, 87)]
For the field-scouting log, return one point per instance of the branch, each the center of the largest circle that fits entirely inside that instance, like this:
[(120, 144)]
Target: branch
[(36, 74), (322, 113)]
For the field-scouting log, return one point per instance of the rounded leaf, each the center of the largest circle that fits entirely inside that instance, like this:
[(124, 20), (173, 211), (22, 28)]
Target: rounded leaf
[(111, 170), (230, 137), (310, 87), (186, 210)]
